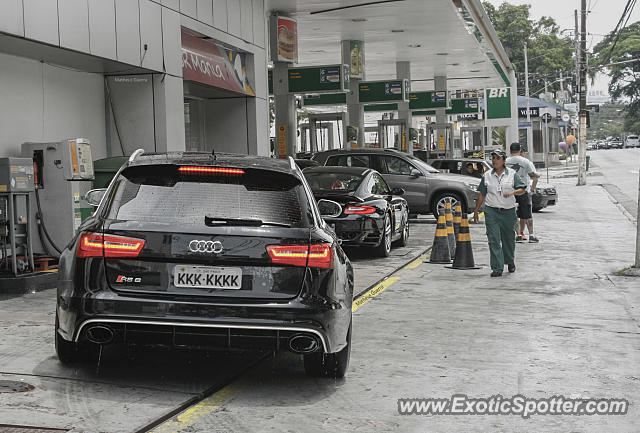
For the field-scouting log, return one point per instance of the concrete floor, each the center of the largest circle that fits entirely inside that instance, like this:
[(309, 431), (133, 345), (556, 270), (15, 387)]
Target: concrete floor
[(126, 392), (564, 323)]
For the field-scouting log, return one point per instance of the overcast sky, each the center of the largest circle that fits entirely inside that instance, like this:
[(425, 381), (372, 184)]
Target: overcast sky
[(603, 17)]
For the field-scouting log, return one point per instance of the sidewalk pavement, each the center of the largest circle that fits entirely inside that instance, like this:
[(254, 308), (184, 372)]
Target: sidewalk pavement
[(562, 324)]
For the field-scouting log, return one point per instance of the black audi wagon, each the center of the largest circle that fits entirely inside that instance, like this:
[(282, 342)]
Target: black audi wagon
[(214, 251)]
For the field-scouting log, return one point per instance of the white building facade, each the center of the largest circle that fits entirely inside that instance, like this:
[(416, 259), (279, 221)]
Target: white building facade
[(127, 74)]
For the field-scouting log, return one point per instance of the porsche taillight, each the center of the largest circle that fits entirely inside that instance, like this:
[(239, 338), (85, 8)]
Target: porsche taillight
[(359, 210), (99, 245)]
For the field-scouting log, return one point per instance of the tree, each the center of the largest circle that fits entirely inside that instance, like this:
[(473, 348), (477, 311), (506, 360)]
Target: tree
[(624, 81), (548, 51)]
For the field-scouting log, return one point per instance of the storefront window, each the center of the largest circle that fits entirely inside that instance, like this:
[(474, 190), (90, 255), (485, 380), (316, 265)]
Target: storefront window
[(194, 126), (537, 138)]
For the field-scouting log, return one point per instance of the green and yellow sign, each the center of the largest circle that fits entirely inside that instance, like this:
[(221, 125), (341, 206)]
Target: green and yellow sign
[(371, 92), (316, 79)]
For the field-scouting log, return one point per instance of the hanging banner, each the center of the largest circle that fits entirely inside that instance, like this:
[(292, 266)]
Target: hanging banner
[(287, 38), (356, 58), (208, 63)]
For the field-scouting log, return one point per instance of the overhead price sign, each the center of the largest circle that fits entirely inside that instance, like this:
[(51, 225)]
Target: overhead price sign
[(325, 99), (319, 79), (381, 107), (458, 106), (427, 100), (371, 92)]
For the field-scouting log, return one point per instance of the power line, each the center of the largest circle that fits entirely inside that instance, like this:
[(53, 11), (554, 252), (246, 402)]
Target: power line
[(626, 14)]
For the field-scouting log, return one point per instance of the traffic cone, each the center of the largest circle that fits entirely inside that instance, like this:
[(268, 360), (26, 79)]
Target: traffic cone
[(440, 250), (457, 217), (464, 253), (451, 236)]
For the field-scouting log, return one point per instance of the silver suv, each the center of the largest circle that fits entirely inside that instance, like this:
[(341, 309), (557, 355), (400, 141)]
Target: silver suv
[(426, 189)]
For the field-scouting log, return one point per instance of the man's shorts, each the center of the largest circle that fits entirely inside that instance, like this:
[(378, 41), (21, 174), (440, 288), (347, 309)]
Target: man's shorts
[(524, 206)]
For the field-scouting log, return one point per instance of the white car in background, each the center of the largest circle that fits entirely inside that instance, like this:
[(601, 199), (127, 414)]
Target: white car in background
[(632, 141)]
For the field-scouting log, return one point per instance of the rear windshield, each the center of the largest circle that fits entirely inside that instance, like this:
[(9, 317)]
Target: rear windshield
[(162, 194), (344, 182)]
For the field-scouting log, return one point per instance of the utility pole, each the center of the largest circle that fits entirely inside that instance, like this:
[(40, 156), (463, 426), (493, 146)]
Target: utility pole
[(576, 38), (526, 95), (582, 143)]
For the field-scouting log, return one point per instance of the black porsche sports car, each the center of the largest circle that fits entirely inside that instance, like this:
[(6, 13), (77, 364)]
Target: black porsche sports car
[(216, 251), (369, 213)]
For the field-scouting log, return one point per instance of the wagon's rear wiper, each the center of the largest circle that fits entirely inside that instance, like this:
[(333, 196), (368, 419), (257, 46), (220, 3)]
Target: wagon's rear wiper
[(245, 222)]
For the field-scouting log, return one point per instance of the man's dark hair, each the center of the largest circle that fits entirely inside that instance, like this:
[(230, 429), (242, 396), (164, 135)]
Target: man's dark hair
[(515, 147)]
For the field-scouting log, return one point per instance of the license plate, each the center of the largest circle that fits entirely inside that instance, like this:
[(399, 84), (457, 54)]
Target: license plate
[(207, 277)]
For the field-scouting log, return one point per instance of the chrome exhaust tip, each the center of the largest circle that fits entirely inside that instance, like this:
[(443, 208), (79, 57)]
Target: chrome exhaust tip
[(100, 334), (302, 343)]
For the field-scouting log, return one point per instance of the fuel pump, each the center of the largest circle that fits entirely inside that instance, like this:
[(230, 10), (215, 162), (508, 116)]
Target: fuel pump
[(63, 174)]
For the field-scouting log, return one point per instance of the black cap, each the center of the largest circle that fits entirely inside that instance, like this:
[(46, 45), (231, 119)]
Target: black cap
[(515, 147)]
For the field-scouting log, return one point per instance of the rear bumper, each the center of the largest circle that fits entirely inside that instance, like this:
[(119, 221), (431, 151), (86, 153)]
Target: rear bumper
[(540, 201), (207, 335), (356, 230), (180, 322)]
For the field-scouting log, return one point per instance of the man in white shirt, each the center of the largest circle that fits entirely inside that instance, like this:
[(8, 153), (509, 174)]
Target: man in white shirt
[(527, 172)]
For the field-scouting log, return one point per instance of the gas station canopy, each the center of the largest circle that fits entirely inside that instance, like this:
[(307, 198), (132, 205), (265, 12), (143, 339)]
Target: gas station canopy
[(451, 38)]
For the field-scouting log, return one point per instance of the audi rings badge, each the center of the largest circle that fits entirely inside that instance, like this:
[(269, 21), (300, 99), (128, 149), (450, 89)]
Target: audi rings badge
[(212, 247)]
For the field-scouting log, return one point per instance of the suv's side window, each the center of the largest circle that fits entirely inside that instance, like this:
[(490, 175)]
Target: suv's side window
[(397, 166), (349, 161), (380, 187)]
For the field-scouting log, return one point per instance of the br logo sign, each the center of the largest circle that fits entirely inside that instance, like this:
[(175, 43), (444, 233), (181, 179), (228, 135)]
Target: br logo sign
[(498, 93)]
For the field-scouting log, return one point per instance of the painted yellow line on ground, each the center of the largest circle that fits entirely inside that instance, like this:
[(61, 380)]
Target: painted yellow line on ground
[(417, 262), (187, 419), (373, 292)]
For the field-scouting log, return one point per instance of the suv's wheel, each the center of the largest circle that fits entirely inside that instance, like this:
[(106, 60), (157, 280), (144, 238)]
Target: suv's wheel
[(333, 365), (404, 238), (384, 248), (438, 203)]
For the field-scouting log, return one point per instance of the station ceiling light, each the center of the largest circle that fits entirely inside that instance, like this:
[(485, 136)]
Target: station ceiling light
[(397, 31), (442, 54)]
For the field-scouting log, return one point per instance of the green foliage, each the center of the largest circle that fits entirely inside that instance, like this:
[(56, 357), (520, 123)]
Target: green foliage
[(609, 121), (624, 79), (549, 52), (499, 136)]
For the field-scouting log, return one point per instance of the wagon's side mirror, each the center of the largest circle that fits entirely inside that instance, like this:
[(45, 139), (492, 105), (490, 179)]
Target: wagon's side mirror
[(94, 197)]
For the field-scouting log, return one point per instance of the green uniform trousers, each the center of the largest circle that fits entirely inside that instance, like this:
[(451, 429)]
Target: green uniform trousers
[(502, 238)]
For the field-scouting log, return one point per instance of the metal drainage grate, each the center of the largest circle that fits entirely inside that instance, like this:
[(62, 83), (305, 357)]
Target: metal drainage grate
[(14, 386), (6, 428)]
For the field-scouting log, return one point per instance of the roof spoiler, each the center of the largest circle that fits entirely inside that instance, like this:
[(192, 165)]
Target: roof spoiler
[(292, 164), (136, 154)]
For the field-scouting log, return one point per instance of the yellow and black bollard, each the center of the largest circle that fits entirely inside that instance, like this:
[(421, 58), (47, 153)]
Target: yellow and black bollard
[(440, 250), (464, 253), (451, 236), (457, 217)]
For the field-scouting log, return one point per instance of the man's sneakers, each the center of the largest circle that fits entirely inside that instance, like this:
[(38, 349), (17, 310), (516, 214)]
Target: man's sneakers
[(522, 238), (496, 274)]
